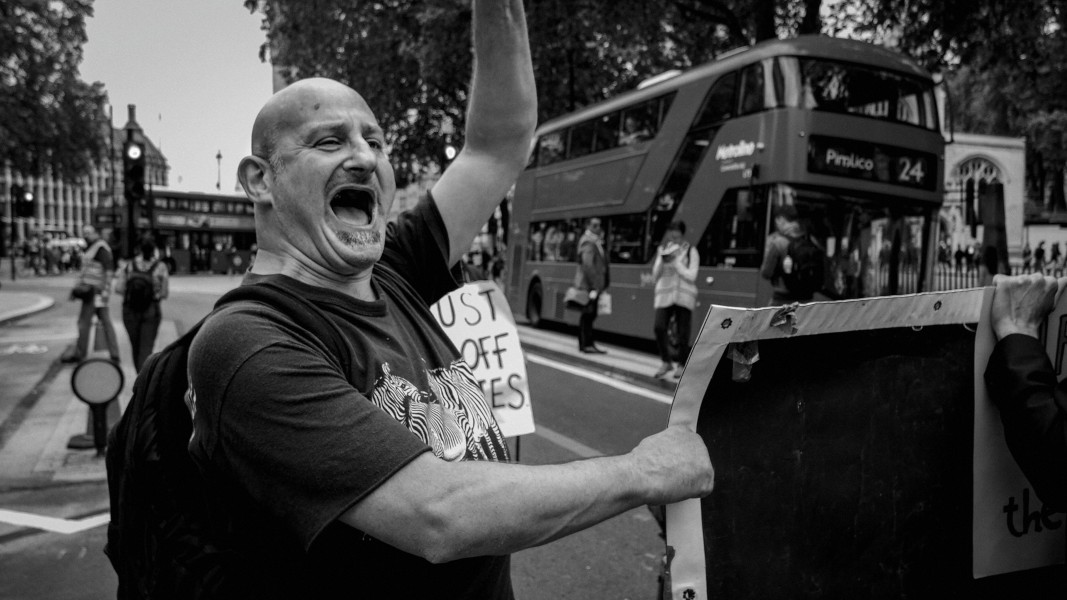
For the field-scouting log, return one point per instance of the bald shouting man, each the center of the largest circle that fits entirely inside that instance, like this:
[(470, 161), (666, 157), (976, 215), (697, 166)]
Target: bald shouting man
[(392, 478)]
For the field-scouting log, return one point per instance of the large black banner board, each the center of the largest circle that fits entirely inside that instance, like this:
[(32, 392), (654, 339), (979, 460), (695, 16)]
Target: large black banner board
[(842, 437)]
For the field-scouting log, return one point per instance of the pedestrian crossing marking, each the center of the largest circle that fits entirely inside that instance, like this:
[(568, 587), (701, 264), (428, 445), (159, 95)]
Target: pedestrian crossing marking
[(53, 524)]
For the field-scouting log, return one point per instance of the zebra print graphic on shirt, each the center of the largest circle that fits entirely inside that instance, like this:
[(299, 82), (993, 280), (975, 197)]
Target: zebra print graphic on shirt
[(452, 418)]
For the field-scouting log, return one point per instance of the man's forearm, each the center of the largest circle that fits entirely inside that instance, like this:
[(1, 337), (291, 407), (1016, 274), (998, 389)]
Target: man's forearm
[(503, 104), (446, 511), (501, 117)]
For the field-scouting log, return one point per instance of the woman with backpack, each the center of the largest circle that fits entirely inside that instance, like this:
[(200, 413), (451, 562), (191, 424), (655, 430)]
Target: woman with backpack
[(143, 282), (675, 273)]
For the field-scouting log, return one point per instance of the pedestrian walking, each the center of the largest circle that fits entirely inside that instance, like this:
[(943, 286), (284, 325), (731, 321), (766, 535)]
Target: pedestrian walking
[(1039, 257), (143, 283), (93, 289), (592, 276), (675, 273), (792, 262)]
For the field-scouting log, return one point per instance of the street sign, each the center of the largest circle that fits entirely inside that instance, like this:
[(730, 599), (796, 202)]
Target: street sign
[(98, 382)]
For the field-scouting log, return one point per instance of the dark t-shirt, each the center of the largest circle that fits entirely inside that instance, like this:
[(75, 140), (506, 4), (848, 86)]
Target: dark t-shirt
[(288, 442)]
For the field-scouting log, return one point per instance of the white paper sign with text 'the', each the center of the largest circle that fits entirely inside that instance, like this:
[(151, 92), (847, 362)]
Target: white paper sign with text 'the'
[(478, 320), (1013, 530)]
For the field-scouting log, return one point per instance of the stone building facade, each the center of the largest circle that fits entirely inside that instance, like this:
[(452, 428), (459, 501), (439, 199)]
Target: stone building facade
[(979, 164), (63, 207)]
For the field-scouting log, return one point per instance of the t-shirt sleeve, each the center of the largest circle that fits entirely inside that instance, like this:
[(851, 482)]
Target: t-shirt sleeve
[(282, 423), (417, 248)]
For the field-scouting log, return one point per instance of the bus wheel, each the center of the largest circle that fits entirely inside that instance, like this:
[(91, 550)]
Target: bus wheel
[(533, 304)]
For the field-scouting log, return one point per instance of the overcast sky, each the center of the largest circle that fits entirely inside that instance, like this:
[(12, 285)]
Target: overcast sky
[(192, 68)]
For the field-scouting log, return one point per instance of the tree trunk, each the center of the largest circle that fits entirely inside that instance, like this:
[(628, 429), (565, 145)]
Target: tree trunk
[(763, 15), (1057, 202), (812, 22)]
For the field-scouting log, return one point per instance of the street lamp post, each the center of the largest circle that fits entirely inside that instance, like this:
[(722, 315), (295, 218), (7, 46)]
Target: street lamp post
[(218, 180)]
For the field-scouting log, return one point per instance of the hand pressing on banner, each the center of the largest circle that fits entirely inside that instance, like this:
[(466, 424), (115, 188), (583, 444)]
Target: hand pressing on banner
[(1022, 303), (675, 465), (1024, 384)]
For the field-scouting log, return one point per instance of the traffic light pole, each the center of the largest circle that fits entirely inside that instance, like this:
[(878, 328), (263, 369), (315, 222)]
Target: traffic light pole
[(12, 251), (133, 180)]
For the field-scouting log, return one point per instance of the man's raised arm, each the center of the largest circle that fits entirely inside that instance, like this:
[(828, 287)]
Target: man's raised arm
[(501, 118)]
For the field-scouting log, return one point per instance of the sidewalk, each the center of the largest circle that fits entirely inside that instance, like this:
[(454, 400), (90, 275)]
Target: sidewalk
[(35, 454)]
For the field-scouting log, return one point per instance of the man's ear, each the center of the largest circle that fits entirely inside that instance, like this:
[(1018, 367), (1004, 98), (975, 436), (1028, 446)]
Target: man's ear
[(256, 179)]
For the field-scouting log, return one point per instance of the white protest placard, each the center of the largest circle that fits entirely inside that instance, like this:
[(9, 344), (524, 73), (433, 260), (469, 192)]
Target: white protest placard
[(1012, 530), (478, 320)]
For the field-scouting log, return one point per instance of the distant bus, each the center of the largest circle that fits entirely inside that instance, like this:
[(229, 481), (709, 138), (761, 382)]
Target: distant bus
[(196, 232), (847, 132)]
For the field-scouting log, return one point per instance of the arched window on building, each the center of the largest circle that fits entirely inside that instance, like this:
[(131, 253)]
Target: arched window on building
[(973, 179)]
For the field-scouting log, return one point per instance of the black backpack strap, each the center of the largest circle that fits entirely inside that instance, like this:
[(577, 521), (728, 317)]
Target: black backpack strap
[(304, 313)]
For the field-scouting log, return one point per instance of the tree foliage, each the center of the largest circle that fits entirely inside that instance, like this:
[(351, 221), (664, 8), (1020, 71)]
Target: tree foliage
[(49, 117), (411, 59)]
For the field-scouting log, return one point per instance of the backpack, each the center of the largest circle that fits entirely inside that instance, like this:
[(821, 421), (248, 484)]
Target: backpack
[(140, 288), (160, 540), (806, 275)]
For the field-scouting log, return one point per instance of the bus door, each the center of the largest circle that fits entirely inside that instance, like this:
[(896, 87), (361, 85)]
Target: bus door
[(731, 251)]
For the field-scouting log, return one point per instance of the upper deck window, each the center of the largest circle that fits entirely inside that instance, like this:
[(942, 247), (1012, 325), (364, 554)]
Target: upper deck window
[(751, 98), (631, 125), (832, 86)]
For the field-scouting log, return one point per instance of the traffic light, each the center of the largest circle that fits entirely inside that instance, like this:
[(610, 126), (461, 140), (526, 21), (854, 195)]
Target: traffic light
[(133, 165), (448, 152), (22, 201)]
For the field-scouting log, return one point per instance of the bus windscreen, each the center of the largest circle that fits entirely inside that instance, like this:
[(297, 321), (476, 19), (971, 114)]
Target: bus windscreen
[(832, 86)]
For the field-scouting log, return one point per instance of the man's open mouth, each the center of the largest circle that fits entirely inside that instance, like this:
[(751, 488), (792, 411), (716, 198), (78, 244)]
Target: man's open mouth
[(354, 205)]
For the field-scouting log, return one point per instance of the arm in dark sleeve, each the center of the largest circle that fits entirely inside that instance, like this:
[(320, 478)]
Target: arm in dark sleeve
[(769, 268), (1033, 409), (585, 263), (417, 247)]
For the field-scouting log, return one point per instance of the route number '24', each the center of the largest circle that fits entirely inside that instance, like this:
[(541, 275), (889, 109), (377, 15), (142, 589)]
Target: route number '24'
[(911, 170)]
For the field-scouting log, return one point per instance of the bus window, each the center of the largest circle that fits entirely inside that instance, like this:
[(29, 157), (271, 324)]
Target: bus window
[(676, 183), (719, 104), (778, 90), (879, 94), (607, 132), (751, 97), (554, 241), (640, 123), (581, 139), (735, 236), (626, 238), (873, 248), (550, 148)]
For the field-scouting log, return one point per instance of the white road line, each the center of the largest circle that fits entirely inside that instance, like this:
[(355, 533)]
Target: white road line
[(567, 443), (63, 337), (53, 524), (604, 379)]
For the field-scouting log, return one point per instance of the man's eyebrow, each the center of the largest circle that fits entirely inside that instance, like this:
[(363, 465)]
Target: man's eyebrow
[(333, 127), (341, 128)]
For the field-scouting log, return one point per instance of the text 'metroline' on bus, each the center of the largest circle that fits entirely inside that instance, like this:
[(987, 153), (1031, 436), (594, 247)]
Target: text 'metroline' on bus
[(844, 131)]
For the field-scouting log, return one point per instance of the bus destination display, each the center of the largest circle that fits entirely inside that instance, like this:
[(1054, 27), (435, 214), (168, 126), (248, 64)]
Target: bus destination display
[(873, 162)]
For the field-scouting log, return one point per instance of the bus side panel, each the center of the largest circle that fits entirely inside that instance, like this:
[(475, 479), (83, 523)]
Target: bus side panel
[(555, 279), (601, 184)]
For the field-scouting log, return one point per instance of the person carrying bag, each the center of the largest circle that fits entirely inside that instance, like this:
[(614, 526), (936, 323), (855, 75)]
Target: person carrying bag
[(143, 283)]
